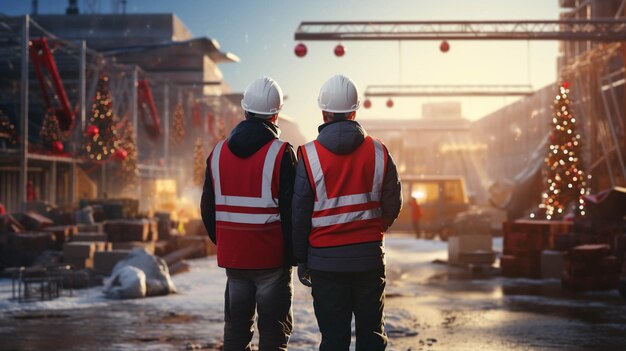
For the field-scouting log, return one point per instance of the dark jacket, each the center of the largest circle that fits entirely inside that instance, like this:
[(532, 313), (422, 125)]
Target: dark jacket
[(341, 137), (246, 139)]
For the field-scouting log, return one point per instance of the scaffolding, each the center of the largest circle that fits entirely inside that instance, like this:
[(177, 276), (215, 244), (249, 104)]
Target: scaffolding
[(55, 176)]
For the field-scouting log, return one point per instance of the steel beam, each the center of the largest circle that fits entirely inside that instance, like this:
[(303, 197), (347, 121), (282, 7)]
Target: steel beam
[(24, 112), (447, 90), (606, 30)]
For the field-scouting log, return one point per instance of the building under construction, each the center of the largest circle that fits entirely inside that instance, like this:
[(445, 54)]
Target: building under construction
[(155, 69)]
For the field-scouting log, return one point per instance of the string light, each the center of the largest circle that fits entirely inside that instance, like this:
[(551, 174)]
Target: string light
[(565, 183)]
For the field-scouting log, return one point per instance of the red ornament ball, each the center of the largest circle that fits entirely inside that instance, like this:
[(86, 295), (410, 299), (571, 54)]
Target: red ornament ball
[(57, 146), (121, 154), (92, 131), (367, 103), (340, 50), (444, 46), (390, 103), (300, 50), (566, 85)]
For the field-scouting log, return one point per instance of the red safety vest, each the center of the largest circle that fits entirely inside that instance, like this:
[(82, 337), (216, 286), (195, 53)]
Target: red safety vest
[(247, 218), (347, 193)]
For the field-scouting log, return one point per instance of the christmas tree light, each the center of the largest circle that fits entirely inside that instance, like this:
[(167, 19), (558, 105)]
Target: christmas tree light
[(178, 125), (103, 144), (199, 163), (8, 133), (566, 184), (50, 133), (130, 171)]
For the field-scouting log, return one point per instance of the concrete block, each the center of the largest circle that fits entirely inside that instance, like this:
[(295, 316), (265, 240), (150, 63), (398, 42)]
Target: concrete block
[(90, 228), (128, 230), (30, 242), (90, 237), (104, 261), (147, 245), (61, 234), (79, 249), (79, 263), (466, 243), (34, 221), (552, 264)]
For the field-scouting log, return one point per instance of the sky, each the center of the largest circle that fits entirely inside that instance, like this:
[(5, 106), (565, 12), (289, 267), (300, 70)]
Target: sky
[(261, 33)]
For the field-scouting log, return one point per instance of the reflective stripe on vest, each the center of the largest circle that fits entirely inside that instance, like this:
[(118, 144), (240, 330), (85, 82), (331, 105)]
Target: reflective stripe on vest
[(265, 201), (322, 201)]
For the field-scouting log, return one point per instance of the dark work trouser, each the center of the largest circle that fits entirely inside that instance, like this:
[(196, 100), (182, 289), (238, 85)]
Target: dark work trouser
[(270, 292), (337, 295)]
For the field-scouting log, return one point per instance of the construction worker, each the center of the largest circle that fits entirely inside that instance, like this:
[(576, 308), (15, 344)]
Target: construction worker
[(246, 208), (416, 215), (346, 194)]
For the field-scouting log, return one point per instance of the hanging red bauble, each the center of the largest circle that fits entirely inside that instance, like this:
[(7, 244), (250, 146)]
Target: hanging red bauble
[(121, 154), (444, 46), (367, 103), (92, 131), (300, 50), (390, 103), (340, 50), (57, 146), (565, 85)]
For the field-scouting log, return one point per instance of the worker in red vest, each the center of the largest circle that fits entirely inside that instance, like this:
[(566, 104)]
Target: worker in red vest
[(346, 194), (416, 215), (246, 208)]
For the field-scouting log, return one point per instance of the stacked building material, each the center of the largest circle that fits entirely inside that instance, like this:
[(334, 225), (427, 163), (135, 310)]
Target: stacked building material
[(524, 242), (472, 223), (90, 228), (89, 237), (33, 221), (22, 248), (204, 243), (126, 235), (590, 267), (552, 264), (149, 246), (62, 234), (126, 230), (104, 261), (81, 254), (470, 249)]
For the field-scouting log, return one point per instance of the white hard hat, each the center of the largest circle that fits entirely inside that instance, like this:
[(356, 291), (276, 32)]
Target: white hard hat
[(339, 95), (263, 96)]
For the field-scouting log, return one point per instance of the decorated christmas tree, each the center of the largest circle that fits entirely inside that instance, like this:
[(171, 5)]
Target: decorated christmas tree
[(102, 138), (178, 125), (566, 183), (8, 133), (50, 133), (128, 159), (199, 162)]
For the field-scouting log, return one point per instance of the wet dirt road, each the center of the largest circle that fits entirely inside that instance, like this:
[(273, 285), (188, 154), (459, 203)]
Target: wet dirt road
[(429, 306)]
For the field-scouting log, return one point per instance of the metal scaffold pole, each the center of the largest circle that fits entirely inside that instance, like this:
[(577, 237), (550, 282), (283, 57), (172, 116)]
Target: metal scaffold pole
[(166, 127), (134, 112), (24, 112)]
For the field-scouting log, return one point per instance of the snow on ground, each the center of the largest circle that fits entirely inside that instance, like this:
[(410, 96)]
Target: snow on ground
[(412, 278)]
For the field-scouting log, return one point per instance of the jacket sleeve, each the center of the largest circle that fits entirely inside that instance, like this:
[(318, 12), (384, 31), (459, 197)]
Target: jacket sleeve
[(302, 206), (391, 199), (285, 195), (207, 202)]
